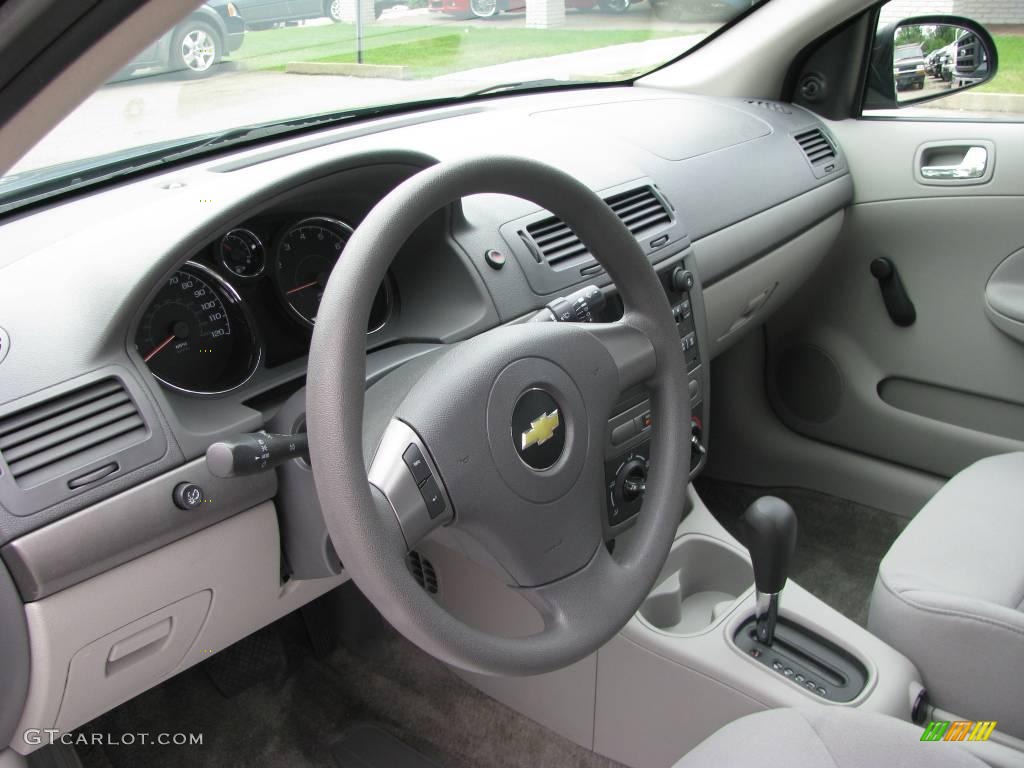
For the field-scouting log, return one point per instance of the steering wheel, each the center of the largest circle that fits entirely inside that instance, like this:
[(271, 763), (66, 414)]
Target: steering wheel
[(502, 436)]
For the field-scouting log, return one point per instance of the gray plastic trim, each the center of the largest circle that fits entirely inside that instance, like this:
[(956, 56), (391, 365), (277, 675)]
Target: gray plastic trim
[(1004, 296), (14, 658), (748, 240), (237, 560), (121, 528)]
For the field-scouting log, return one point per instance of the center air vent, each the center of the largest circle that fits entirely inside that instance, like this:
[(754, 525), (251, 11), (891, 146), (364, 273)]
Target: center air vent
[(551, 239), (57, 436), (816, 146)]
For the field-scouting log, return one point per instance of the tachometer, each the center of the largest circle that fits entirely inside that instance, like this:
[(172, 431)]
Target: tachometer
[(195, 336), (306, 254)]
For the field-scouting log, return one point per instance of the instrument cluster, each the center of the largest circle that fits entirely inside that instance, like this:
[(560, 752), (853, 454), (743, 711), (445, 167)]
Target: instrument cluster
[(247, 299)]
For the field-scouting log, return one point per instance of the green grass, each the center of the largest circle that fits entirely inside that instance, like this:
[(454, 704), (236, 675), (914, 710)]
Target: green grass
[(427, 50), (1010, 77)]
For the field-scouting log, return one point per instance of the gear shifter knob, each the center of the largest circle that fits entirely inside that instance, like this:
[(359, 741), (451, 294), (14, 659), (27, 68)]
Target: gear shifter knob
[(769, 531)]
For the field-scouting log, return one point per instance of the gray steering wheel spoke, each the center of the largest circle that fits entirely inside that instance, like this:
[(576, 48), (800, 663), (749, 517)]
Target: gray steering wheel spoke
[(566, 605), (403, 471), (630, 349)]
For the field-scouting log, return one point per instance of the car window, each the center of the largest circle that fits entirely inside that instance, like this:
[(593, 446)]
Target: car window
[(909, 52), (235, 63), (930, 61)]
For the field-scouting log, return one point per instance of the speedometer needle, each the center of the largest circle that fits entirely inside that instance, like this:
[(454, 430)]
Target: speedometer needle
[(302, 287), (159, 347)]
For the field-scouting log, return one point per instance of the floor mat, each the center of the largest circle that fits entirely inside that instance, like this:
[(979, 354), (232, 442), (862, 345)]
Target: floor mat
[(369, 746), (839, 543), (295, 717)]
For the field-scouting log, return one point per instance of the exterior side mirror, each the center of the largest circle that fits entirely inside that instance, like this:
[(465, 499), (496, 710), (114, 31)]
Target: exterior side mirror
[(928, 57)]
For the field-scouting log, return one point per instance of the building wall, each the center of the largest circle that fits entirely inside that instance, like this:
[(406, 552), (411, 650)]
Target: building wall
[(991, 11), (897, 10), (983, 11)]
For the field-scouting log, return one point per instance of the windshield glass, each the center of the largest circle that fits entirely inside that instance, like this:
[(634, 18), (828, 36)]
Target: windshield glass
[(255, 62), (909, 52)]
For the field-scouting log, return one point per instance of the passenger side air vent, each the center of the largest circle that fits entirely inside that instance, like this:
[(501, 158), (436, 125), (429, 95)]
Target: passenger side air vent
[(551, 240), (68, 432), (423, 571), (816, 146)]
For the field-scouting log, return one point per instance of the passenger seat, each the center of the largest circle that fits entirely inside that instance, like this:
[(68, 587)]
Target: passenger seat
[(950, 594)]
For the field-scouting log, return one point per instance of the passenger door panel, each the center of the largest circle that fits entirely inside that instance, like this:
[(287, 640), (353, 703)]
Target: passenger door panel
[(948, 389)]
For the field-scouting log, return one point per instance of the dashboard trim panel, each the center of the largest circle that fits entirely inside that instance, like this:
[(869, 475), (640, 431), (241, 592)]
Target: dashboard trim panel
[(121, 528)]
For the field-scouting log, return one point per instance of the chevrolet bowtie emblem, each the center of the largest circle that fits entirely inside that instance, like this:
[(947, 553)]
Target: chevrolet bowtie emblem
[(541, 429)]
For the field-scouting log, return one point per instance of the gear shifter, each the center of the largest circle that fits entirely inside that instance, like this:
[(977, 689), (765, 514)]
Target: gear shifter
[(769, 531)]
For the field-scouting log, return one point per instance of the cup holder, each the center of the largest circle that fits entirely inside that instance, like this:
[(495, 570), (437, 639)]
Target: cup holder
[(706, 577)]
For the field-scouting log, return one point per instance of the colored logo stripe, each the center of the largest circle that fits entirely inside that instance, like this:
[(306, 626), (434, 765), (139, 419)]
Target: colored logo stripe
[(958, 730)]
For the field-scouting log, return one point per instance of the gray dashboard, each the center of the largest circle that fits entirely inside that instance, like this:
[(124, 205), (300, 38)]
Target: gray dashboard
[(76, 277)]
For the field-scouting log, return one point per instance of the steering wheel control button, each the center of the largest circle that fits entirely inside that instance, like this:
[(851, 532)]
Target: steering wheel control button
[(403, 471), (187, 496), (495, 259), (537, 429), (432, 497), (417, 465)]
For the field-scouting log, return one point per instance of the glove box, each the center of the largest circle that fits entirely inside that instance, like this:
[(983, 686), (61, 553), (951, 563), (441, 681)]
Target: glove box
[(114, 668)]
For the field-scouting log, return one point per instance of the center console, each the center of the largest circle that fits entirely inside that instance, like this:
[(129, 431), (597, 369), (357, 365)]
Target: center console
[(692, 658), (627, 449)]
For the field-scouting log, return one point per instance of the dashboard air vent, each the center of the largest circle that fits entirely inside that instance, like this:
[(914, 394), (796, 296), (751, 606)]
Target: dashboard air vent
[(423, 571), (816, 146), (640, 209), (49, 439)]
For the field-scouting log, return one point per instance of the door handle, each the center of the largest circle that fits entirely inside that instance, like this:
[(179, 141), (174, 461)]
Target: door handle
[(972, 166), (894, 292)]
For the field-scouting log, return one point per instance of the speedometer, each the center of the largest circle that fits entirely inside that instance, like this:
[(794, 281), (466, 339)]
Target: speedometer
[(195, 336), (306, 254)]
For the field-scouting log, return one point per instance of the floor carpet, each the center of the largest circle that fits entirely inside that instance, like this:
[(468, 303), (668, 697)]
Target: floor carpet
[(297, 715), (839, 543)]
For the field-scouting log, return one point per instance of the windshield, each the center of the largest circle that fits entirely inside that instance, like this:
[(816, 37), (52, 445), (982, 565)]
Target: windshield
[(268, 62)]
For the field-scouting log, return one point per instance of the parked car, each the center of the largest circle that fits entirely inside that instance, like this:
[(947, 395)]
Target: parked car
[(487, 9), (196, 45), (940, 63), (687, 10), (264, 14), (908, 67), (969, 63)]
